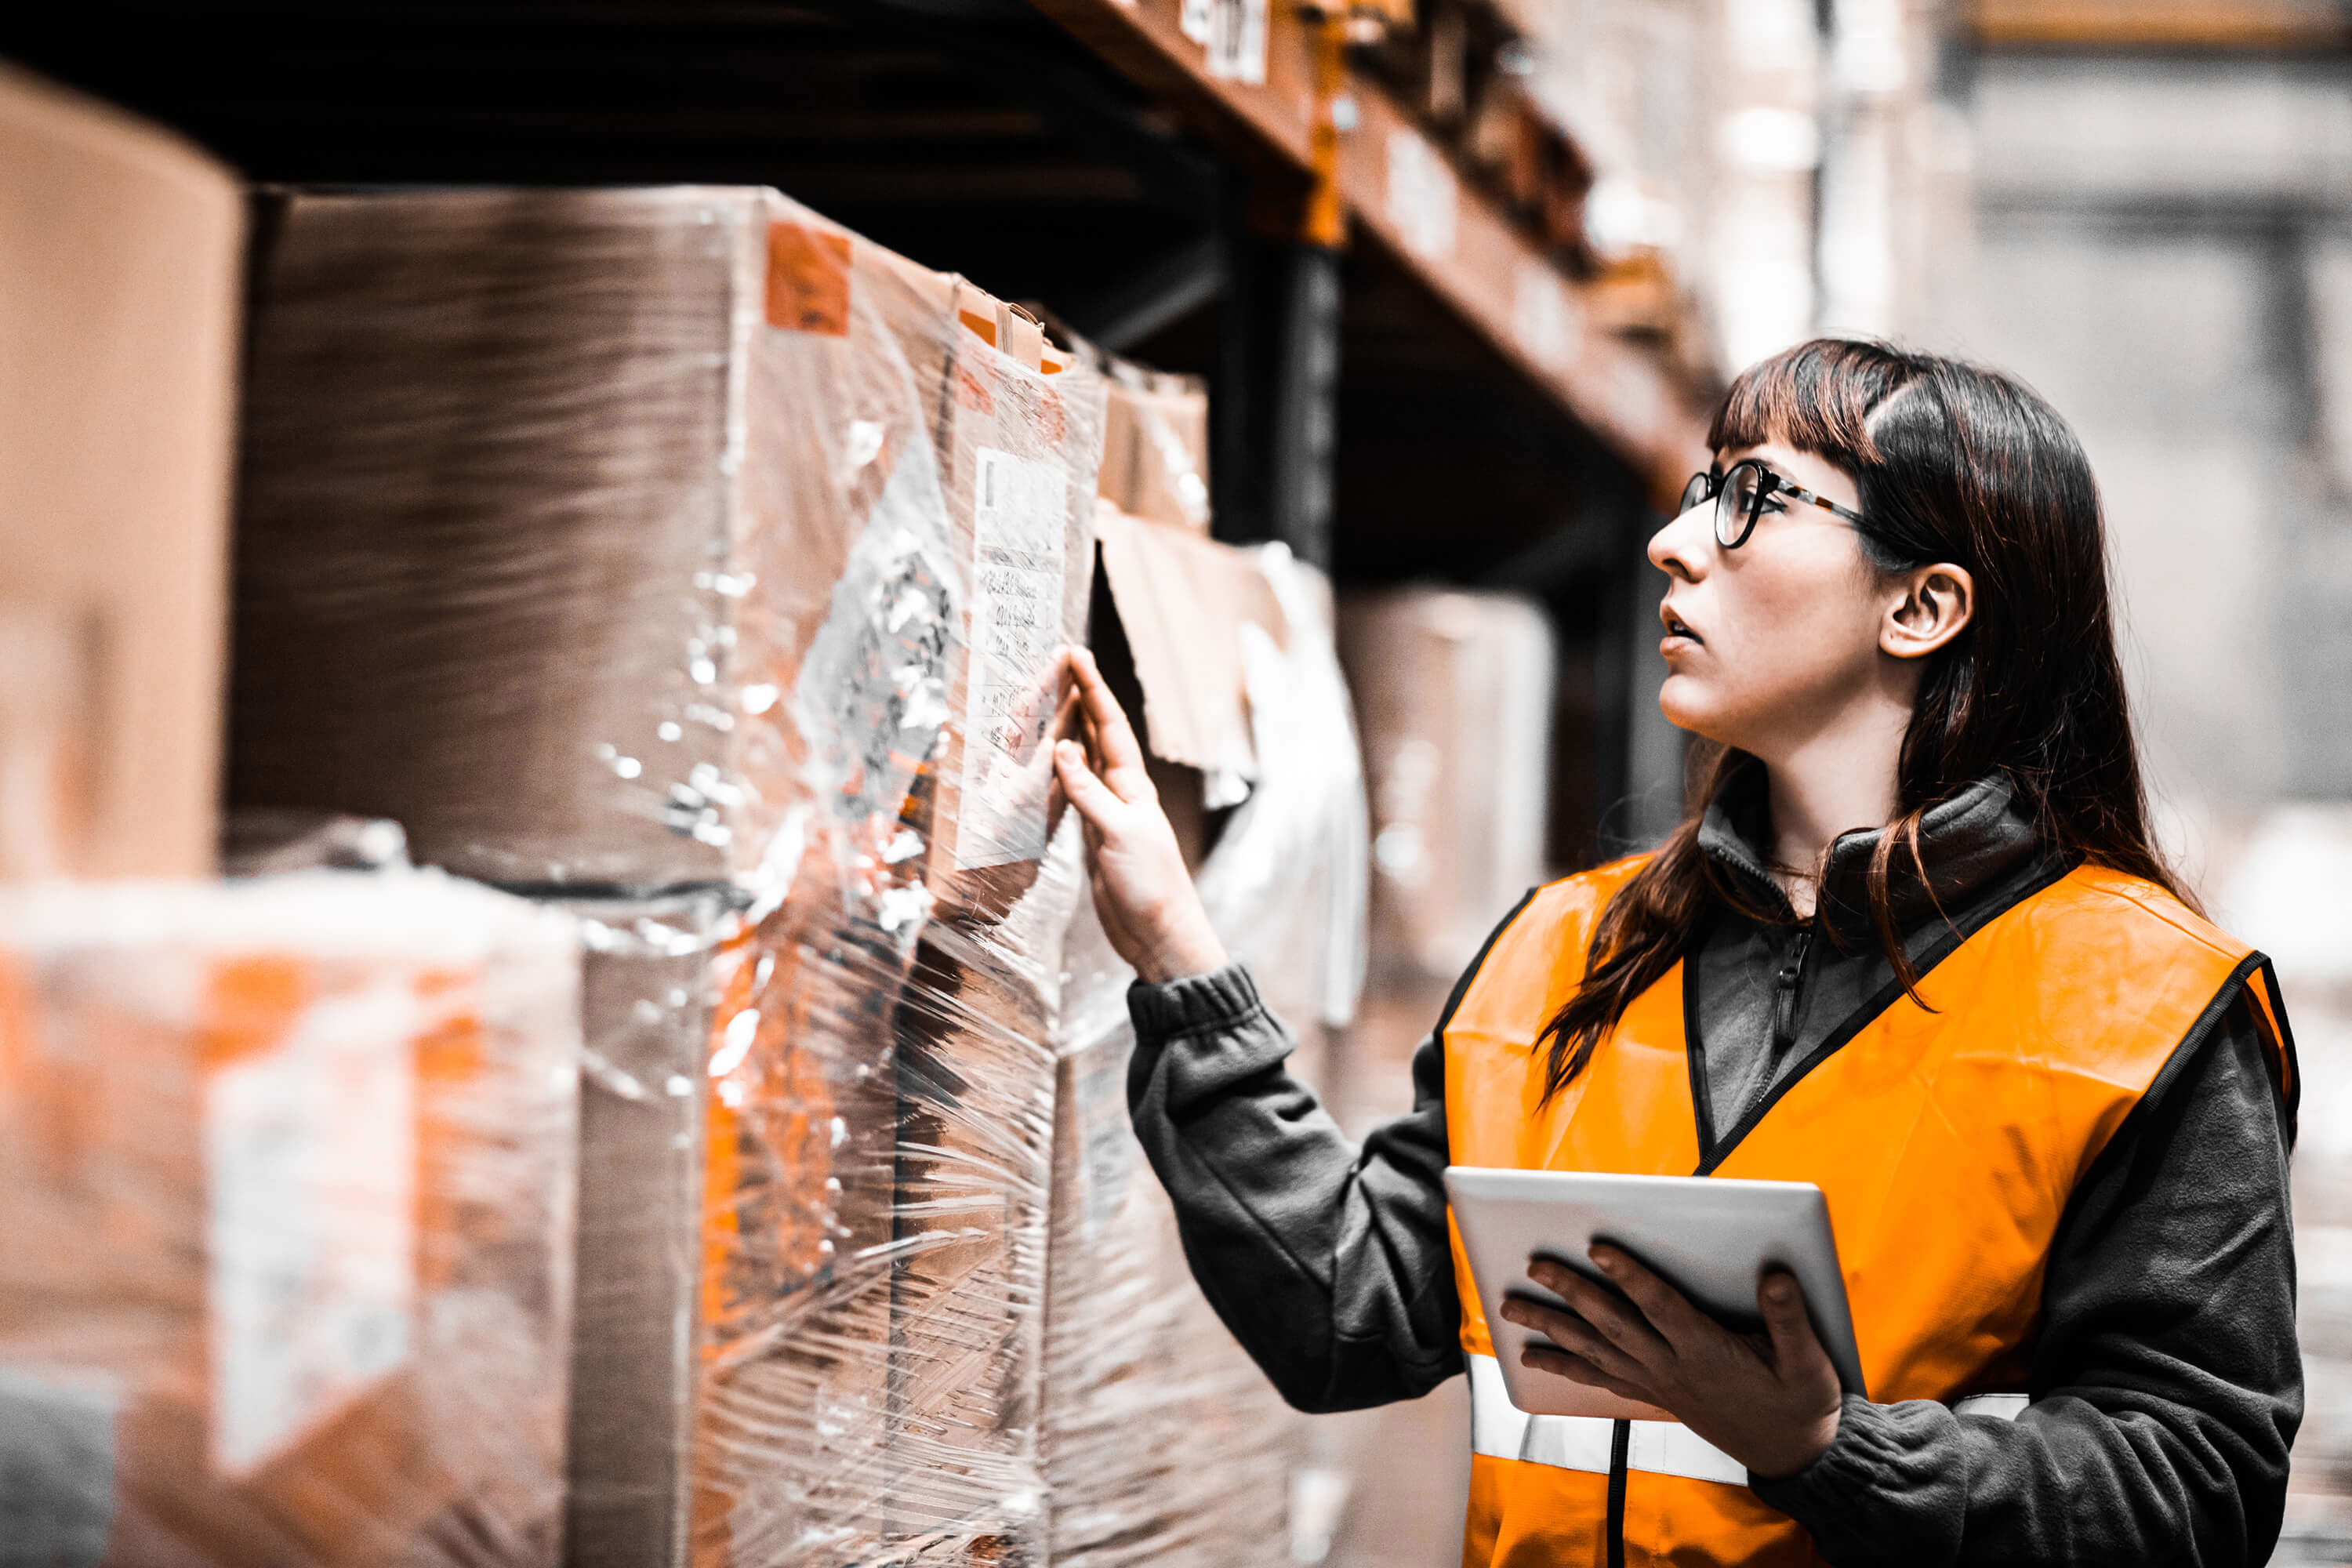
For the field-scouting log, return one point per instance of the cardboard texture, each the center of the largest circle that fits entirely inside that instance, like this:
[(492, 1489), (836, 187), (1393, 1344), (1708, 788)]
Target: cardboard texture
[(1453, 695), (121, 245), (289, 1166)]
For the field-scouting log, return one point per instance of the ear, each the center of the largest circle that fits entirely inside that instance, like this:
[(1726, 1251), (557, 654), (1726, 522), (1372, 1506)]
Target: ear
[(1937, 602)]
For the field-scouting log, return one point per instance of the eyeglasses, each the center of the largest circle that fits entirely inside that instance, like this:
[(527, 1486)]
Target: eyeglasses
[(1739, 496)]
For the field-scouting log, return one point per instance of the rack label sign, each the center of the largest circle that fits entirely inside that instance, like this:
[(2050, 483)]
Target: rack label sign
[(1544, 317), (1236, 39), (1422, 197)]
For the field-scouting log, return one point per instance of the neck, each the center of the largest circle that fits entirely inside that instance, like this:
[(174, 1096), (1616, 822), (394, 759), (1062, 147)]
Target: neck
[(1837, 780)]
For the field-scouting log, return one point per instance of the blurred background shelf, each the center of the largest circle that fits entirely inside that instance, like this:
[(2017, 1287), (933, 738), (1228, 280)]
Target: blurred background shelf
[(1437, 399)]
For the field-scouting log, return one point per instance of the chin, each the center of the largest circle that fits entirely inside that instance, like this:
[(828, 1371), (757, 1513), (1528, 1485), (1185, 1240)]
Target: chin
[(1685, 707)]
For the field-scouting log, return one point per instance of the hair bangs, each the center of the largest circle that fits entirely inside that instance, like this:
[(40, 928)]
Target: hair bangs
[(1817, 397)]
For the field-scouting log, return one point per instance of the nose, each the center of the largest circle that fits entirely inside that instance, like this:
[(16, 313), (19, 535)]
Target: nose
[(1682, 549)]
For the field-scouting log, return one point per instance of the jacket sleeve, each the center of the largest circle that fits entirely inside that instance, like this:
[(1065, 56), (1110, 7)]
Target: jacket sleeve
[(2166, 1385), (1330, 1264)]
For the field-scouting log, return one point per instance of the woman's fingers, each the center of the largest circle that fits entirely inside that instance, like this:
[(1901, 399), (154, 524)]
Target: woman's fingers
[(1093, 798), (1570, 1334), (1115, 745), (1575, 1368), (1611, 1318), (1667, 1309), (1796, 1349)]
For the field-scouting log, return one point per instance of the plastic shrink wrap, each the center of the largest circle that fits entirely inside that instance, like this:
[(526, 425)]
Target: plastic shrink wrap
[(1163, 1442), (680, 555), (120, 246), (285, 1262)]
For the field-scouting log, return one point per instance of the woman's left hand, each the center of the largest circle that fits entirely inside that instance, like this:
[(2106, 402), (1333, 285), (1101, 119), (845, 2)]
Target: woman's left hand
[(1769, 1400)]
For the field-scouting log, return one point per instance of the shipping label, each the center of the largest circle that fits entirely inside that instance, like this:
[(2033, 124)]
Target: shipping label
[(1020, 511), (310, 1169)]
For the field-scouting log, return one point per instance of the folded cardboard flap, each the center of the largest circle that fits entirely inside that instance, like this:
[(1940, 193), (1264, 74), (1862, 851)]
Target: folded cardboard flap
[(1182, 601), (122, 247), (1156, 446)]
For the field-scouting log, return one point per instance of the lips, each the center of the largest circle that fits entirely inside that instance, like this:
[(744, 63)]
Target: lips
[(1676, 627)]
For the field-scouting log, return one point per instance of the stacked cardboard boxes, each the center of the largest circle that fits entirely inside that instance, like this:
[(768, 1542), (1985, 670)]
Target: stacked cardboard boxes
[(285, 1267), (681, 555)]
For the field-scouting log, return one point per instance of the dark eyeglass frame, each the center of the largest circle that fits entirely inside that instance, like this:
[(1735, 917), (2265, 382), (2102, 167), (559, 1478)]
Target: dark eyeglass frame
[(1731, 530)]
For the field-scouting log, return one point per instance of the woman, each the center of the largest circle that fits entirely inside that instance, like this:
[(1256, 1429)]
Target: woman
[(1916, 945)]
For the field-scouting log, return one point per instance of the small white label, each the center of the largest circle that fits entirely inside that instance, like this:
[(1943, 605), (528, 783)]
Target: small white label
[(1544, 317), (310, 1168), (1020, 510), (1237, 40), (1423, 195), (1196, 19)]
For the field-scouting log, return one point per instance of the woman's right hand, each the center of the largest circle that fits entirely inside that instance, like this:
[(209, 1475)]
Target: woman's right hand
[(1143, 894)]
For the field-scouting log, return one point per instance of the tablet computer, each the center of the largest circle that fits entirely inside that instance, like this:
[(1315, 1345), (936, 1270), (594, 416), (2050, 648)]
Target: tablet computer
[(1710, 1237)]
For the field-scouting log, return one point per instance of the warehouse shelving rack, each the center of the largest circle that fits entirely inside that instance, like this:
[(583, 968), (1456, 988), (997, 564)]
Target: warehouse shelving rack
[(1405, 387)]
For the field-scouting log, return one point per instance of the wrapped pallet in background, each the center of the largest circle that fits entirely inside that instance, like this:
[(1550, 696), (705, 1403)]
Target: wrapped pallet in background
[(1163, 1442), (122, 246), (679, 555), (286, 1258), (1453, 694)]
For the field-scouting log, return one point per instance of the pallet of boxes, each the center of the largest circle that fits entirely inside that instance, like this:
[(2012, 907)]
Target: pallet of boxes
[(285, 1256), (678, 558)]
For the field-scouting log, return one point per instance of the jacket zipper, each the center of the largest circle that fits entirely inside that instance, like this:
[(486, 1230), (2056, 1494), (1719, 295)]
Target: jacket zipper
[(1788, 991), (1787, 986)]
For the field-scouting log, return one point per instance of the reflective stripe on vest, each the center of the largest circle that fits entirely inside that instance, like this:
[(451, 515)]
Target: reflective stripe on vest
[(1948, 1139), (1501, 1430)]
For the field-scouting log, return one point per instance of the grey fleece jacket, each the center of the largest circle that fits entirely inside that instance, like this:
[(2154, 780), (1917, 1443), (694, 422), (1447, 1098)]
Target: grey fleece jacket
[(2167, 1384)]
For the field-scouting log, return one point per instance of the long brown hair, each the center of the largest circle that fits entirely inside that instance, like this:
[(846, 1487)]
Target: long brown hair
[(1955, 463)]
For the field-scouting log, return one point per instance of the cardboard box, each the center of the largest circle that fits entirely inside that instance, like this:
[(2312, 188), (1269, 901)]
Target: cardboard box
[(976, 1084), (121, 245), (287, 1243), (568, 518), (646, 1006), (1453, 698)]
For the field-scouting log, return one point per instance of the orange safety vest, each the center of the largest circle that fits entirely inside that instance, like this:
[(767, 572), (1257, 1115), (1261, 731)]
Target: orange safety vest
[(1946, 1141)]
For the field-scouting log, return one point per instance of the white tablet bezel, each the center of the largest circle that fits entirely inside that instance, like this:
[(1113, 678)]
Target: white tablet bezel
[(1710, 1236)]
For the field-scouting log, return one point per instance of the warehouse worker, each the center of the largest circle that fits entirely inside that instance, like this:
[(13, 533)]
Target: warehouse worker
[(1915, 944)]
